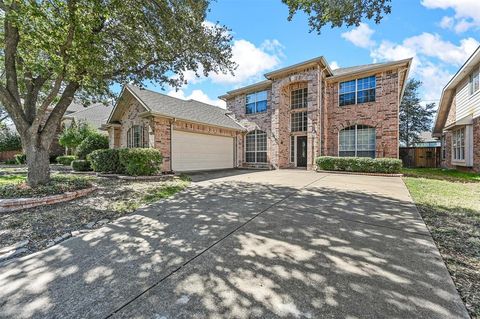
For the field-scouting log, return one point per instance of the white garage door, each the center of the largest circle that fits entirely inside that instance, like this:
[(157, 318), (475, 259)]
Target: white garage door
[(195, 152)]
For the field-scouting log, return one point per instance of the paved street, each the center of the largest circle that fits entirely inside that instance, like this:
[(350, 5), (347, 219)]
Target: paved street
[(246, 244)]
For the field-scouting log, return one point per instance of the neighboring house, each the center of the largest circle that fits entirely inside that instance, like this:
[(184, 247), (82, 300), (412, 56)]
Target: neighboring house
[(458, 118), (95, 115), (191, 135), (307, 110)]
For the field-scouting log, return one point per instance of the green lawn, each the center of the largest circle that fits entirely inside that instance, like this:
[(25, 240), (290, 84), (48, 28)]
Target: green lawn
[(442, 174), (12, 179), (449, 202)]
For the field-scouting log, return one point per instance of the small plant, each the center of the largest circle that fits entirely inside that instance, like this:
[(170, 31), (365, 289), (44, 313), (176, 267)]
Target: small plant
[(9, 141), (66, 159), (81, 165), (140, 161), (359, 164), (20, 158), (92, 143), (73, 135)]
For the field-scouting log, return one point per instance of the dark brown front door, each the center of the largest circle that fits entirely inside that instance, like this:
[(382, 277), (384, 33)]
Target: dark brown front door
[(301, 151)]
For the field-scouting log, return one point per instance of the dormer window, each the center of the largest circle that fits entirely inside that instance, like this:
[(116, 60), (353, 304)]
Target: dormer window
[(256, 102)]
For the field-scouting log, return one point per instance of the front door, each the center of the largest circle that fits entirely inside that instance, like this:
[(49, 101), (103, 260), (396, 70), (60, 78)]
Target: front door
[(301, 151)]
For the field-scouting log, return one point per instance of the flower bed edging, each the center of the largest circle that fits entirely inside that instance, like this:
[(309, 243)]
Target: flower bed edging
[(166, 177), (360, 173), (14, 204)]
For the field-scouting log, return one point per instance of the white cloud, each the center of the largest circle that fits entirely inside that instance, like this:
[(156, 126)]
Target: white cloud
[(431, 56), (467, 13), (447, 22), (198, 95), (334, 65), (360, 36), (252, 61)]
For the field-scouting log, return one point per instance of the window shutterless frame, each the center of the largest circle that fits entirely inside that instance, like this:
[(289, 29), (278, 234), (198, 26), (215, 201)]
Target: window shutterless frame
[(362, 90)]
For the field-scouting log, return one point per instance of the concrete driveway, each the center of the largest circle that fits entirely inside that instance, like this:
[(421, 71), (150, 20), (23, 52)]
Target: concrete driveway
[(246, 244)]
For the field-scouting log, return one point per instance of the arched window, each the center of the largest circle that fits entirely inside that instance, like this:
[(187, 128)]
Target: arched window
[(357, 140), (256, 147), (136, 137)]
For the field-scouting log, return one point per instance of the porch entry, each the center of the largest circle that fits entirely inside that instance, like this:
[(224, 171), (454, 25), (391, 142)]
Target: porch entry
[(301, 151)]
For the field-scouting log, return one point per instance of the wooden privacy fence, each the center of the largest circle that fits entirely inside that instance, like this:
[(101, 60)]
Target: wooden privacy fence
[(420, 156), (8, 155)]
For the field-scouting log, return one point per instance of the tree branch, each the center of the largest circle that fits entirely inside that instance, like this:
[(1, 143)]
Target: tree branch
[(12, 37), (56, 114)]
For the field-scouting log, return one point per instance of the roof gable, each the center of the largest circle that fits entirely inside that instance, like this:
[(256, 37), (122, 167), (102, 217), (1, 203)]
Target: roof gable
[(171, 107)]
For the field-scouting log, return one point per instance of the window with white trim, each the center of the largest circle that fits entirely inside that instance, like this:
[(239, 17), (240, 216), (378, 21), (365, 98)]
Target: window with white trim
[(298, 98), (458, 144), (256, 147), (357, 140), (298, 122), (136, 137), (444, 147), (357, 91), (474, 81), (256, 102)]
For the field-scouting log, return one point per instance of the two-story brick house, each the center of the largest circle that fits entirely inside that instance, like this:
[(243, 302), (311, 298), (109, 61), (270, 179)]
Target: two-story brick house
[(458, 118), (307, 110)]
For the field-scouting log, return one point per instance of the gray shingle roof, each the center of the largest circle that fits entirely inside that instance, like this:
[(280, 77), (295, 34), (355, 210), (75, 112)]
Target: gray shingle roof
[(95, 115), (190, 110), (355, 69), (365, 67), (74, 107)]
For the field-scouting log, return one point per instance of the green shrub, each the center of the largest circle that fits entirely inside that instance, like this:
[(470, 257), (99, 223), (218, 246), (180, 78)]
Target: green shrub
[(140, 161), (10, 162), (359, 164), (66, 159), (81, 165), (105, 161), (21, 158), (9, 141), (92, 143)]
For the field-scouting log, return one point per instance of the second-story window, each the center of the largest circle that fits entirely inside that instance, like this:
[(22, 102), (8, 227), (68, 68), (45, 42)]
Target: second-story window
[(474, 81), (256, 102), (357, 91), (298, 122), (298, 98)]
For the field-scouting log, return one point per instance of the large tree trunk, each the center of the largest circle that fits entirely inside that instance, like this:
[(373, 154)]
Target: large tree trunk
[(38, 161)]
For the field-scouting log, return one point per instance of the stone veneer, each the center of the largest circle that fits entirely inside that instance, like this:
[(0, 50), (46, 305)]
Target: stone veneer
[(325, 117)]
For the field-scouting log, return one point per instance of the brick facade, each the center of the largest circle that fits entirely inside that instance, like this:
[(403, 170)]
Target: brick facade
[(325, 118), (157, 129)]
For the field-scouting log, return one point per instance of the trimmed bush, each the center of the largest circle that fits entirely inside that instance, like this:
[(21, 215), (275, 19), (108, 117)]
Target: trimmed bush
[(20, 158), (140, 161), (81, 165), (359, 164), (66, 159), (105, 161), (92, 143)]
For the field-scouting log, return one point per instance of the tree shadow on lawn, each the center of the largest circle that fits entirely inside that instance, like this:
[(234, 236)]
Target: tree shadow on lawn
[(207, 253)]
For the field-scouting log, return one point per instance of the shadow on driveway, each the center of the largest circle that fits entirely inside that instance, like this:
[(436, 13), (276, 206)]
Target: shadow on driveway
[(239, 249)]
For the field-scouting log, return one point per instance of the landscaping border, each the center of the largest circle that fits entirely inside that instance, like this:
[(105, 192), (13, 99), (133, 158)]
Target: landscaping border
[(166, 177), (15, 204), (360, 173)]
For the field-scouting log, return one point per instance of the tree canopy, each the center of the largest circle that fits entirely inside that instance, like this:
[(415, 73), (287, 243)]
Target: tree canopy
[(53, 51), (338, 12), (414, 118)]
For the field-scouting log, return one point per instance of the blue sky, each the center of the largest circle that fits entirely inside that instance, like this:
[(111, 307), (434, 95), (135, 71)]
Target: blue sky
[(439, 34)]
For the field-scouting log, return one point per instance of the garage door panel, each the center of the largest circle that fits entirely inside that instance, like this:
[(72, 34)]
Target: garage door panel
[(191, 151)]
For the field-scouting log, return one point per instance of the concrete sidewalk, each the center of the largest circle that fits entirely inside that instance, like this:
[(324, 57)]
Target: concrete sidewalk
[(244, 244)]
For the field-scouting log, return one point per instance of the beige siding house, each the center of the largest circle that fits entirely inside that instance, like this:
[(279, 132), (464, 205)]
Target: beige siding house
[(458, 118)]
